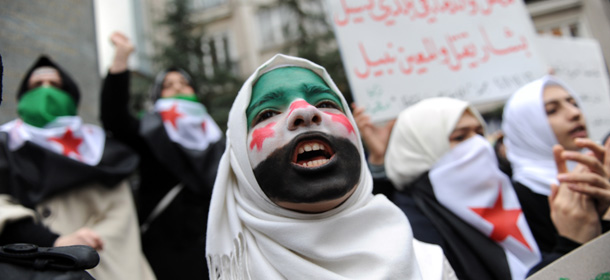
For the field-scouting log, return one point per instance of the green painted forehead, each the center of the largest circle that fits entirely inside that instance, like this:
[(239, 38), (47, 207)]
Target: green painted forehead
[(275, 90)]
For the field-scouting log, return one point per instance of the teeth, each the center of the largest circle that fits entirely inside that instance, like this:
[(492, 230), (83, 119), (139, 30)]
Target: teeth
[(315, 162), (310, 147)]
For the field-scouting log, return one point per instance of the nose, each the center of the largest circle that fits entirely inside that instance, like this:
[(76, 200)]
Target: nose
[(574, 112), (303, 116)]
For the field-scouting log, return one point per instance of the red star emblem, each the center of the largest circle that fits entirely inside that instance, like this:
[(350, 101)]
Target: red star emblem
[(342, 119), (171, 115), (203, 125), (504, 221), (69, 142), (259, 135)]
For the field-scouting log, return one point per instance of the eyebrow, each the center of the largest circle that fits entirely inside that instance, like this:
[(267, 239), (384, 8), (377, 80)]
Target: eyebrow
[(316, 89), (268, 97), (570, 98), (460, 129)]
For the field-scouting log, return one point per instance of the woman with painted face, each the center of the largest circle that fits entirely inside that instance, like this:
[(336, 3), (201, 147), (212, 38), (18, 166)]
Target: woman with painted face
[(451, 189), (299, 205), (180, 146), (71, 174), (543, 114)]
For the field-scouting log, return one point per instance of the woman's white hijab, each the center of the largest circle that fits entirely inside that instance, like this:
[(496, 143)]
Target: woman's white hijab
[(420, 137), (250, 237), (529, 138)]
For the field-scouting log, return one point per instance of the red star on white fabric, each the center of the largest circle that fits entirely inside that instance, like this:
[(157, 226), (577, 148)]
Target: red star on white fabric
[(203, 126), (69, 143), (171, 115), (504, 221)]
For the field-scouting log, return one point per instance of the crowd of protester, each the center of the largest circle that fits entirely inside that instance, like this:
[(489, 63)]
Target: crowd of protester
[(299, 186)]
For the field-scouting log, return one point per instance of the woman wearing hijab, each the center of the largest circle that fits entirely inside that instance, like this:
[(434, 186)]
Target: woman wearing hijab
[(71, 175), (292, 199), (180, 146), (451, 189), (543, 114)]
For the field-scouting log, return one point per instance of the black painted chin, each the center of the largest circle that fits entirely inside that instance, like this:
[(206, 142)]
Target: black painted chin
[(284, 181)]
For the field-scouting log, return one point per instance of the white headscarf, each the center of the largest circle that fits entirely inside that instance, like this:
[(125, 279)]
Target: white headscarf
[(250, 237), (420, 137), (529, 138)]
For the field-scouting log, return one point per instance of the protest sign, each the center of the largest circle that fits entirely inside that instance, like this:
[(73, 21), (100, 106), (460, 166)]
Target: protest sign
[(590, 261), (396, 53)]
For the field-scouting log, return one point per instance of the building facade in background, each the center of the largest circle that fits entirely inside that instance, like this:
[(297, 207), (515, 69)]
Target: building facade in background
[(245, 33)]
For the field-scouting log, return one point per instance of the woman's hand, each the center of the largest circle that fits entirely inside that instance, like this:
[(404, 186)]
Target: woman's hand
[(83, 236), (375, 137), (123, 48), (574, 214), (592, 175)]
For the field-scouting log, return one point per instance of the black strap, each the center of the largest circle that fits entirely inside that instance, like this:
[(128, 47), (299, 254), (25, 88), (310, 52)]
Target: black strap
[(60, 258)]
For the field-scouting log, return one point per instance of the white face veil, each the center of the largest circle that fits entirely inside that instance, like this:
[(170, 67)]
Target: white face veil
[(250, 237), (529, 138)]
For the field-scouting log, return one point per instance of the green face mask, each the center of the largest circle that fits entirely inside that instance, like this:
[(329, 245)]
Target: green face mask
[(42, 105), (187, 97)]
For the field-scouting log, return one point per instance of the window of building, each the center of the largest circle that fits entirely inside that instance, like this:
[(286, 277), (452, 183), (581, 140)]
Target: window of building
[(277, 25), (218, 53), (205, 4)]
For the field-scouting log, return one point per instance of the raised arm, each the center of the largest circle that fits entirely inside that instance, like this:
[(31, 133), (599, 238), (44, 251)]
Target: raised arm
[(114, 112)]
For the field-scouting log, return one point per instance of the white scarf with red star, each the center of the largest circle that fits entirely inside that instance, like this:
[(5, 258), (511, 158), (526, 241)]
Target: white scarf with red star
[(467, 181), (67, 136), (187, 123)]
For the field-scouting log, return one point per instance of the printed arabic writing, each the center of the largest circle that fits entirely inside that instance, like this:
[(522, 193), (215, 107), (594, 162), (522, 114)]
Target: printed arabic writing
[(458, 51), (388, 11)]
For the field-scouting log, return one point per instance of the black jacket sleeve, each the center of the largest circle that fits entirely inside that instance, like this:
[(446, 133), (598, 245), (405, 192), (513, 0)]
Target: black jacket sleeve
[(114, 111), (27, 231)]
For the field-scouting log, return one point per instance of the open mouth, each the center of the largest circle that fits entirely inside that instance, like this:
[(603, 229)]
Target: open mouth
[(579, 131), (312, 153)]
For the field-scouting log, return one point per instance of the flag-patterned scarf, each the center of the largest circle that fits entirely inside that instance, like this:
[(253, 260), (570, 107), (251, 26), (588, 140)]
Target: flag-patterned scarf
[(64, 155), (468, 182)]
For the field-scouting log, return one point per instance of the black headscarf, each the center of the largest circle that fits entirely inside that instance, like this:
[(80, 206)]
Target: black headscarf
[(68, 84), (155, 92)]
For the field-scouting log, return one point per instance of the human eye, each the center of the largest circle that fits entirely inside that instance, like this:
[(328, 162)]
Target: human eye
[(263, 115), (35, 85), (550, 109), (458, 138), (573, 102), (328, 104)]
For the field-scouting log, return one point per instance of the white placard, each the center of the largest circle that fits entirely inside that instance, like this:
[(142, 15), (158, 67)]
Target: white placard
[(396, 53), (579, 63), (589, 261)]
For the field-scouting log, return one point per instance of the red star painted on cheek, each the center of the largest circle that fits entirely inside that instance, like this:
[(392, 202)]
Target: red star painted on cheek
[(504, 221), (69, 142), (171, 115), (259, 135), (342, 119)]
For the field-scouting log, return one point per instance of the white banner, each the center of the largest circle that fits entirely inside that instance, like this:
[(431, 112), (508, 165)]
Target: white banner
[(580, 64), (398, 52)]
